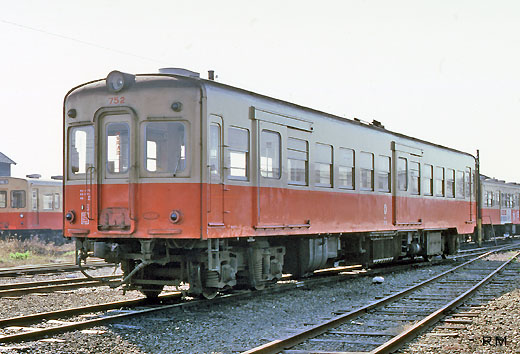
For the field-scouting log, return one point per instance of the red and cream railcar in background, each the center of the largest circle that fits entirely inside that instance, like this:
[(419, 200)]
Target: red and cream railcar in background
[(31, 207), (189, 180), (500, 207)]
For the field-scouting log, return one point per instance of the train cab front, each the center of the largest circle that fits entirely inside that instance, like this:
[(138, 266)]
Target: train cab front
[(132, 185)]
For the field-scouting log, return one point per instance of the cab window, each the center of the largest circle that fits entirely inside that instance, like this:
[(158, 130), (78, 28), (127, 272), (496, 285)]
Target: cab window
[(3, 199), (118, 147), (17, 199), (81, 152), (165, 147)]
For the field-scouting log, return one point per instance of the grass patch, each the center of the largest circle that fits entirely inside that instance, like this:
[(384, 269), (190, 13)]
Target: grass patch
[(15, 252)]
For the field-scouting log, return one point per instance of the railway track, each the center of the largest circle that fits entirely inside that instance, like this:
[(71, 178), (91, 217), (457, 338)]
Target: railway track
[(390, 322), (18, 289), (49, 268), (39, 325)]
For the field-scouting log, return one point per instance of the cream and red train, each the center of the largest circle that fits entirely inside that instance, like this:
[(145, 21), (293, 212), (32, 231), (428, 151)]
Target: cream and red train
[(182, 179), (30, 207), (500, 207)]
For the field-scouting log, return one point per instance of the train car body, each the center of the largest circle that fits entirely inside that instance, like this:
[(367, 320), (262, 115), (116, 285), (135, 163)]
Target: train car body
[(189, 180), (500, 207), (30, 207)]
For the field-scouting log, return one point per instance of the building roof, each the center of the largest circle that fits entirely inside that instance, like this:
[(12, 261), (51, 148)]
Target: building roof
[(5, 159)]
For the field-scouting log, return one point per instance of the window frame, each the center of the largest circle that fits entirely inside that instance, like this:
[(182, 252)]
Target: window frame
[(264, 173), (402, 184), (415, 179), (90, 131), (13, 199), (123, 171), (450, 183), (384, 174), (460, 184), (5, 204), (238, 149), (348, 168), (428, 181), (292, 152), (320, 162), (440, 181), (363, 170)]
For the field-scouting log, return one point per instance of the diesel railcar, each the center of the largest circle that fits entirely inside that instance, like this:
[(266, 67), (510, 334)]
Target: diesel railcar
[(187, 180), (500, 207), (31, 207)]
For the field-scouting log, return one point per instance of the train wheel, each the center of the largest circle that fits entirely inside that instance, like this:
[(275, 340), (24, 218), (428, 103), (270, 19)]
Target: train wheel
[(152, 291), (209, 293)]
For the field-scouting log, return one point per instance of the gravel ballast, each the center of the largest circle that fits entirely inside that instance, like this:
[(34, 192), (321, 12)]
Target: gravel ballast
[(219, 328)]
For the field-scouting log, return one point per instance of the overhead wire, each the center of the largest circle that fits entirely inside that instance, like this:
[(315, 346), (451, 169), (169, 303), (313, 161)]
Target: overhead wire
[(80, 41)]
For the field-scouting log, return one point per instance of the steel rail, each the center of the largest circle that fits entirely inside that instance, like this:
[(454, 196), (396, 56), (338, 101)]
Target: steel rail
[(399, 340), (293, 340), (36, 333), (42, 332), (49, 268), (15, 289)]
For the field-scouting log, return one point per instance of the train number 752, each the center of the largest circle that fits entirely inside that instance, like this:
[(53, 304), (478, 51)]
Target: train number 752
[(116, 100)]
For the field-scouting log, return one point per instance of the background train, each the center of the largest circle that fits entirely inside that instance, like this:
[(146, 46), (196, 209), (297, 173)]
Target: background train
[(182, 179), (500, 207), (30, 207)]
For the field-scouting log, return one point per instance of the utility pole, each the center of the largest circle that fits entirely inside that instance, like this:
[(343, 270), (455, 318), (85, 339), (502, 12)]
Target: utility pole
[(479, 199)]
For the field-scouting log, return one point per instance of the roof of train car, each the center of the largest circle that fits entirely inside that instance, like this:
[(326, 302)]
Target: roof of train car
[(37, 182), (492, 180), (202, 81)]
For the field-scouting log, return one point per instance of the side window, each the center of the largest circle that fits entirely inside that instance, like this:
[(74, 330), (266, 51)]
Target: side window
[(297, 161), (346, 168), (270, 144), (118, 147), (81, 152), (415, 178), (165, 147), (385, 176), (3, 199), (47, 201), (18, 199), (214, 150), (366, 165), (459, 184), (402, 174), (496, 199), (489, 199), (57, 201), (238, 141), (323, 166), (439, 181), (469, 182), (450, 183), (428, 179)]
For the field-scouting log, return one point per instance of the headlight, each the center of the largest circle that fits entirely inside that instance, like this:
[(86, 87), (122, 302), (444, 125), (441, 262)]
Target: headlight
[(70, 216), (175, 216), (117, 81)]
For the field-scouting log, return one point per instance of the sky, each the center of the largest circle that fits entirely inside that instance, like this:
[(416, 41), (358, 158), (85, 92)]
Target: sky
[(446, 71)]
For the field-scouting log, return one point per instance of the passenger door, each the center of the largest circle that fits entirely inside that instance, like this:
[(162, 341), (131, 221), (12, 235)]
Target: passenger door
[(406, 188), (270, 198), (215, 187), (35, 205), (116, 176)]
